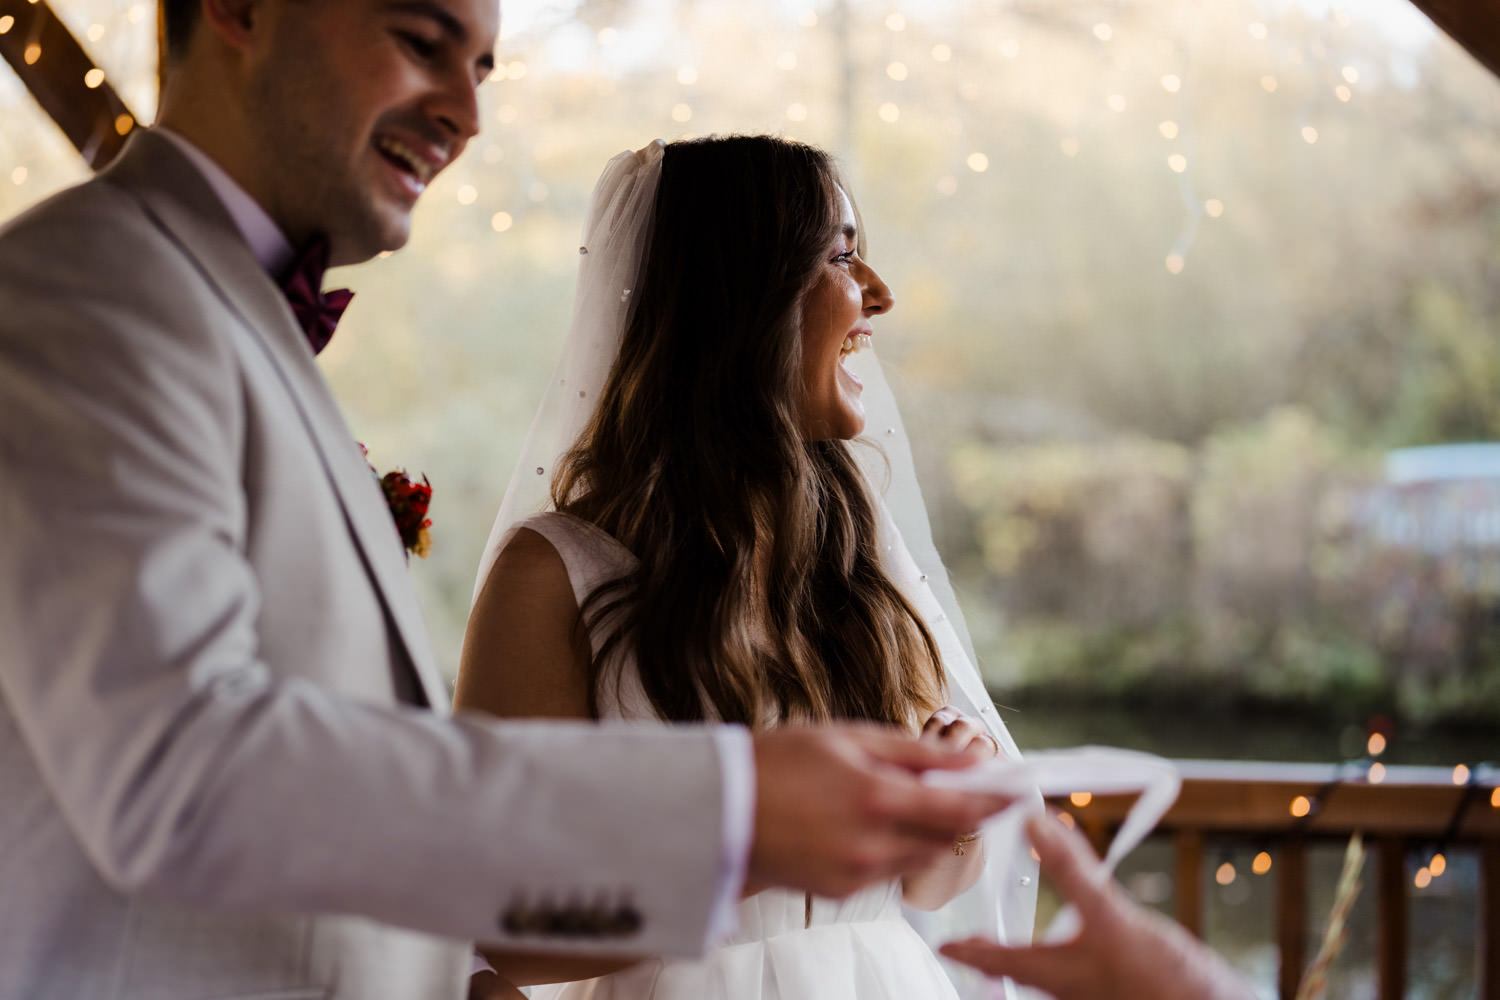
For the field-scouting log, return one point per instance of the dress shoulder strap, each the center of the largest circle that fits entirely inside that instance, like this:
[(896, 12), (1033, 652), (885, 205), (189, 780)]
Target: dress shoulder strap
[(591, 555)]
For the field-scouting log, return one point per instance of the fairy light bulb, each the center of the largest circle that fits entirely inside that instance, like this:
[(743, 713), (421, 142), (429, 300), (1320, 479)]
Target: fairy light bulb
[(93, 78), (1461, 774), (889, 112), (1168, 129), (1103, 32), (1214, 207), (1301, 806), (1375, 745), (896, 21), (1309, 134), (1438, 864), (1225, 874), (1377, 773), (1081, 799), (1423, 879), (1175, 263), (1177, 163), (682, 113), (32, 54), (6, 23), (501, 222), (1262, 863), (467, 194), (941, 52), (978, 162), (1171, 83), (123, 124), (897, 71)]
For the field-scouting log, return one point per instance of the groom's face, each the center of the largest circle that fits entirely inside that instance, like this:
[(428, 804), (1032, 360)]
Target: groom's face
[(358, 104)]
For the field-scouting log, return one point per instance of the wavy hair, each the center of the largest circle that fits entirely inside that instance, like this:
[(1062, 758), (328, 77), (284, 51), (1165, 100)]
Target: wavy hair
[(759, 595)]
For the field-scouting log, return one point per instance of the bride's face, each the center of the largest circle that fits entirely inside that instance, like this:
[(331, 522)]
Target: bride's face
[(846, 292)]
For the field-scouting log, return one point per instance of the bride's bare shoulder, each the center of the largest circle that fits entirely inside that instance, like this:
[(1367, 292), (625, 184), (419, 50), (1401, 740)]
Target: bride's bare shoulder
[(523, 654)]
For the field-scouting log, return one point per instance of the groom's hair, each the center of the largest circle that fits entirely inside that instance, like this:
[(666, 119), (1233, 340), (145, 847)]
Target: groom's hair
[(759, 593), (178, 19)]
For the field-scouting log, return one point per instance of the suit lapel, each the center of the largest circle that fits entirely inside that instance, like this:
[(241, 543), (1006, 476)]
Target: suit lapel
[(186, 207)]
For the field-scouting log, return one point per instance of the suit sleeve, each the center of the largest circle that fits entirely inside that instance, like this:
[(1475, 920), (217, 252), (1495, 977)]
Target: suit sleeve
[(186, 767)]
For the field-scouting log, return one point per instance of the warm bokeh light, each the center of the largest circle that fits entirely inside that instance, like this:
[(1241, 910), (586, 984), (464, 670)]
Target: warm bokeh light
[(6, 23), (681, 113), (1225, 875), (1081, 799), (1067, 820), (1177, 162), (889, 112), (1438, 864), (1343, 93), (1175, 263), (96, 32), (1214, 207), (1495, 798), (1350, 74), (1103, 32), (515, 70), (1301, 806), (1168, 129), (18, 176), (466, 194), (687, 75), (942, 53), (947, 185), (538, 191), (1257, 31), (1461, 774), (1377, 773), (1171, 83), (897, 71), (135, 14), (1268, 83), (1309, 134), (501, 222), (123, 124), (896, 21), (1262, 863), (978, 162), (1423, 879), (1375, 745), (32, 54), (93, 78)]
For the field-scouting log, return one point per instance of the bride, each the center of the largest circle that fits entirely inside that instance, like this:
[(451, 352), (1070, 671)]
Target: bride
[(720, 548)]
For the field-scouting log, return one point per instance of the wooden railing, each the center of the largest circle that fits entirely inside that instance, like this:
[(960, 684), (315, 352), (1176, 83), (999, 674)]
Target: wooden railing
[(1396, 809)]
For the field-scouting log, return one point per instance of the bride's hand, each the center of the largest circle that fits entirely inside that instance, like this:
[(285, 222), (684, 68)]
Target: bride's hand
[(951, 729)]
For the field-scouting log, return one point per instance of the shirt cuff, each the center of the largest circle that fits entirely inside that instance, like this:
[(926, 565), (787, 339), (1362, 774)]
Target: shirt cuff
[(737, 772), (478, 963)]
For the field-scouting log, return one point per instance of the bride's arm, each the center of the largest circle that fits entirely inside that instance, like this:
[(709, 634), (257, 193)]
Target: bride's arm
[(526, 655), (956, 871)]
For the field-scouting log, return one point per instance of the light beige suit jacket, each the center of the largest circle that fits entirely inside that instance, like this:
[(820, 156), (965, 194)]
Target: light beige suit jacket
[(221, 770)]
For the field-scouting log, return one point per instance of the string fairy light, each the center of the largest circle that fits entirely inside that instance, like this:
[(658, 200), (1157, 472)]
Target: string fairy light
[(501, 222), (6, 23), (1376, 744), (93, 78), (1168, 129), (1301, 806), (1225, 873), (897, 71), (1309, 134), (1343, 93), (1081, 799), (889, 112), (977, 162), (1461, 774), (1377, 773), (1171, 83), (896, 21), (1261, 863), (942, 53), (682, 113), (1438, 864), (1214, 207), (1103, 32)]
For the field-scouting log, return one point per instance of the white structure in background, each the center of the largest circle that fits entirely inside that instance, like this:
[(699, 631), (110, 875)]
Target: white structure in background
[(1443, 501)]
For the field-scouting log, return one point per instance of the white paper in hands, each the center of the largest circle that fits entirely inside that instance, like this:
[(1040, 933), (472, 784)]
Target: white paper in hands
[(1097, 770)]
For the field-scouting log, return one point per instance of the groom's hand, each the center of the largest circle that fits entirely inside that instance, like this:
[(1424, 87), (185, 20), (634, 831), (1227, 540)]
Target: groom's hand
[(842, 806), (1121, 949)]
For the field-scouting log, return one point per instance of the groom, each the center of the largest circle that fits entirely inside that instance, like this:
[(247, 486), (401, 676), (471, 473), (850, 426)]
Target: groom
[(225, 768)]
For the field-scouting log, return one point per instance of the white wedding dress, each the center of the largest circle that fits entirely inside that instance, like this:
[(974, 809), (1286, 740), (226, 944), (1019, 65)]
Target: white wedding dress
[(787, 946)]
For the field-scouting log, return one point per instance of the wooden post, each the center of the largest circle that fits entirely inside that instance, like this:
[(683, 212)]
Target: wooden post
[(1291, 915), (1390, 915), (1188, 846), (1489, 920)]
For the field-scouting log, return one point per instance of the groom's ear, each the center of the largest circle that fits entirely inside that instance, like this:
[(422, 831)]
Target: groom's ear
[(234, 21)]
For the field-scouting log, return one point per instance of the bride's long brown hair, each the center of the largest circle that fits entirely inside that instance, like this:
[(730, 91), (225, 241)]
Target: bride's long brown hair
[(759, 595)]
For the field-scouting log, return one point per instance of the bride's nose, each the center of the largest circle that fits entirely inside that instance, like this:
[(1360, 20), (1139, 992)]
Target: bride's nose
[(877, 295)]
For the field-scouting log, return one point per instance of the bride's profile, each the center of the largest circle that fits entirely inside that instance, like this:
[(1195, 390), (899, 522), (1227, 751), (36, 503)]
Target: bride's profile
[(717, 545)]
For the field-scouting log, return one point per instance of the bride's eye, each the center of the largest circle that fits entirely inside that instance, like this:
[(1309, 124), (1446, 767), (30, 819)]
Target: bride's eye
[(844, 258)]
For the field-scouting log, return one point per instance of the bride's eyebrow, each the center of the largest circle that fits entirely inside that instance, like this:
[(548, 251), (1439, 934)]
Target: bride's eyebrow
[(849, 232)]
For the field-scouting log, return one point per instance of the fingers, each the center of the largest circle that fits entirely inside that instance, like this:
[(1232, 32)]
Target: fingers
[(1047, 966), (900, 750), (1069, 861)]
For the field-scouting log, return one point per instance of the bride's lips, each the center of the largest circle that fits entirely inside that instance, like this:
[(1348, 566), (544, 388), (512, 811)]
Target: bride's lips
[(856, 341)]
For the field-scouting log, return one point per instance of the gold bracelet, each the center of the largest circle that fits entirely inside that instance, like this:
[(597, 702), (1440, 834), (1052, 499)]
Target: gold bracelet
[(964, 841)]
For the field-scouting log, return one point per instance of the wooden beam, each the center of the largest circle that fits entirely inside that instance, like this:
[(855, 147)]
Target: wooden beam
[(1188, 884), (1291, 916), (1390, 917), (1474, 24), (57, 71)]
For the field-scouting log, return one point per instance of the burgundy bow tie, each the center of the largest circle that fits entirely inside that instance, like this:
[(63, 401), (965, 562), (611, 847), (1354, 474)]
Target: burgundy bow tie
[(318, 311)]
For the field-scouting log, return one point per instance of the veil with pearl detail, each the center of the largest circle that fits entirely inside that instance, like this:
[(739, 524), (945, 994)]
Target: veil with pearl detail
[(1002, 903)]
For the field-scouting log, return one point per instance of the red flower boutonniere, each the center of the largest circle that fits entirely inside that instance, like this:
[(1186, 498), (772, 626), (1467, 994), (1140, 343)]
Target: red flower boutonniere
[(408, 500)]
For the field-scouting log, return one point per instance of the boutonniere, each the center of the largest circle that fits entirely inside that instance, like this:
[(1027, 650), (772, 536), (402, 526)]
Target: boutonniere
[(408, 501)]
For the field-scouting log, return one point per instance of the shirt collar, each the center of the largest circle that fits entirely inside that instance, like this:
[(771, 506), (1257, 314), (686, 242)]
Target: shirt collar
[(267, 242)]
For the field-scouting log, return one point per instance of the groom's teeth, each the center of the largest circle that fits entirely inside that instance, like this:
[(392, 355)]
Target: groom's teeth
[(417, 164)]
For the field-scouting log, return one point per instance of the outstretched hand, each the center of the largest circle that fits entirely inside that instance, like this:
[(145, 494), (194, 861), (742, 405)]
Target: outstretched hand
[(1121, 949), (840, 807)]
